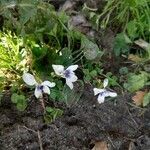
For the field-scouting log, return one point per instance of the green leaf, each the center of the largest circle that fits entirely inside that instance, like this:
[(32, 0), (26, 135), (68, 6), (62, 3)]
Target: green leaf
[(52, 114), (93, 73), (90, 49), (1, 95), (20, 101), (121, 44), (53, 94), (87, 78), (65, 58), (14, 97), (123, 70), (38, 51), (56, 94), (21, 98), (26, 11), (86, 71), (2, 79), (136, 82), (21, 107), (72, 96), (146, 100), (49, 109), (132, 29)]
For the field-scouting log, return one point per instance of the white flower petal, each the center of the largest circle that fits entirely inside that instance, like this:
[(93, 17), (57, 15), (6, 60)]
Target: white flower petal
[(46, 89), (38, 93), (59, 69), (69, 83), (48, 83), (112, 94), (105, 93), (101, 99), (105, 82), (72, 67), (72, 78), (97, 91), (29, 79)]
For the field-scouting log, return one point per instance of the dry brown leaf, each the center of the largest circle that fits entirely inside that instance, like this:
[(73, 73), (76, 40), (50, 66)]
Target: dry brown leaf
[(101, 145), (134, 58), (138, 97), (143, 44)]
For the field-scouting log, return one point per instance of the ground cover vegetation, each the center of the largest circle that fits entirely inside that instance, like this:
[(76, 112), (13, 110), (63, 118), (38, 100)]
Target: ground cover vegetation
[(51, 52)]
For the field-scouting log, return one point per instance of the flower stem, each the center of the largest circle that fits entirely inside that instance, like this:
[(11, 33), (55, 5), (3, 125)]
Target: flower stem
[(42, 103)]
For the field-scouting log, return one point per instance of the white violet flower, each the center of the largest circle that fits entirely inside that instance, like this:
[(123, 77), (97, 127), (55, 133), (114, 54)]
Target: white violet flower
[(40, 88), (102, 93), (68, 73)]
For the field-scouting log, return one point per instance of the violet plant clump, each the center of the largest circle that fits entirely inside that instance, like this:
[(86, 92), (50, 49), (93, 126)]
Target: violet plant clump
[(102, 93)]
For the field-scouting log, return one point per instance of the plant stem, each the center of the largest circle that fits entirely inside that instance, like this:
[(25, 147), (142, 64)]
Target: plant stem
[(42, 103)]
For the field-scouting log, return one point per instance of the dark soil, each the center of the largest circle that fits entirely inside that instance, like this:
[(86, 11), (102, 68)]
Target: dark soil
[(118, 123)]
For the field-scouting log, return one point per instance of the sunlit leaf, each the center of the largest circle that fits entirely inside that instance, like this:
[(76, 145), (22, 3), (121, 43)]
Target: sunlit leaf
[(136, 82), (20, 101), (132, 29), (14, 98), (146, 100), (134, 58), (90, 49)]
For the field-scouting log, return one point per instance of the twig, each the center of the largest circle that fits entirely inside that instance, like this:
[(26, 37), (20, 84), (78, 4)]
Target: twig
[(135, 106), (40, 140), (38, 134), (28, 129), (132, 117)]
